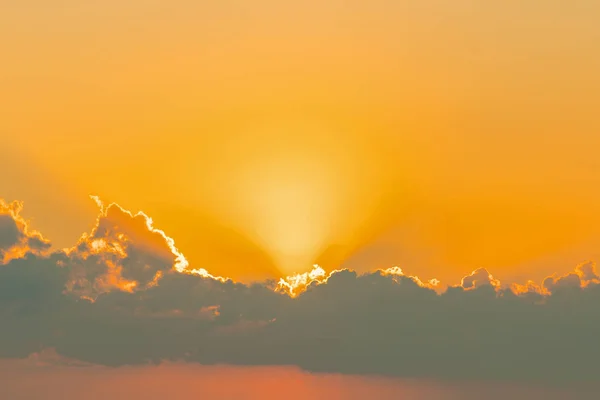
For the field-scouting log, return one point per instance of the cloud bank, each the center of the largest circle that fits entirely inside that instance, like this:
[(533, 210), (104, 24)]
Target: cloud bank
[(124, 295)]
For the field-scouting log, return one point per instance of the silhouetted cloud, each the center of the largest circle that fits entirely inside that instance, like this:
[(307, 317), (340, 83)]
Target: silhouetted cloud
[(124, 295), (122, 252), (16, 239), (479, 278)]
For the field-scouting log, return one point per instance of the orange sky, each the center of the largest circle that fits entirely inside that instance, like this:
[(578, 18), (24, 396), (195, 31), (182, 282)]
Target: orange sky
[(60, 378), (441, 136)]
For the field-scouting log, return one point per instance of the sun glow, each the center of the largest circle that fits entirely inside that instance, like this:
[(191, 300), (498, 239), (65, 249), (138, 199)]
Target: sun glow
[(295, 284), (295, 189)]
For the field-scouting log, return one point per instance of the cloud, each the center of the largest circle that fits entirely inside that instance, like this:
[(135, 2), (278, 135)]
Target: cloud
[(297, 284), (16, 238), (583, 276), (124, 295), (479, 278), (122, 252)]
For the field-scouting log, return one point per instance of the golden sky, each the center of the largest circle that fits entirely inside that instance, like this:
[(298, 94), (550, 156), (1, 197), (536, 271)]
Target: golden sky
[(264, 136)]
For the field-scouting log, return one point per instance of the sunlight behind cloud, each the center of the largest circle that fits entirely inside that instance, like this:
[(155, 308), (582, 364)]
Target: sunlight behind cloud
[(295, 188)]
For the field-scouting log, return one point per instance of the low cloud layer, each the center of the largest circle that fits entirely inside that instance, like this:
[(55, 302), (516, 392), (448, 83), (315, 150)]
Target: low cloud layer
[(124, 295)]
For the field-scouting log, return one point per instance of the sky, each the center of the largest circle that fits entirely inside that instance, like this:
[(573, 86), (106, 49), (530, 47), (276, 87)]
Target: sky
[(56, 374), (455, 140), (313, 131)]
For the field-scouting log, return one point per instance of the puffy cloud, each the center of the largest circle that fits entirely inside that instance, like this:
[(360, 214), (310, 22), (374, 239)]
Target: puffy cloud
[(478, 278), (122, 252), (587, 272), (16, 238), (149, 305), (528, 289), (583, 276), (297, 284)]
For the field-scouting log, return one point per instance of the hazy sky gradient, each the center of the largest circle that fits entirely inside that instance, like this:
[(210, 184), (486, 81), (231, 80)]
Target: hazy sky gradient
[(57, 379), (440, 135)]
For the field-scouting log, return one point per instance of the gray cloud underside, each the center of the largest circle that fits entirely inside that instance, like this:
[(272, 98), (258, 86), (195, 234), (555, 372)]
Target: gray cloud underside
[(368, 324), (79, 302)]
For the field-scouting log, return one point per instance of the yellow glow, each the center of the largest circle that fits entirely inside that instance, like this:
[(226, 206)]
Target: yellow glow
[(295, 188), (264, 137)]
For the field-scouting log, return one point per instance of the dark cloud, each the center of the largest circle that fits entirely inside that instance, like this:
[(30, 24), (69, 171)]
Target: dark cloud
[(16, 239), (479, 278), (124, 295), (122, 252), (10, 234)]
